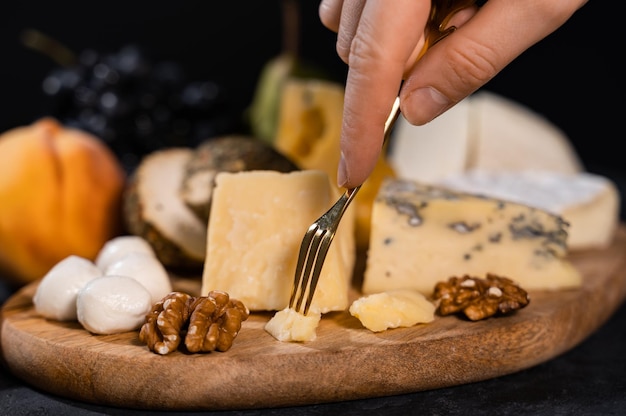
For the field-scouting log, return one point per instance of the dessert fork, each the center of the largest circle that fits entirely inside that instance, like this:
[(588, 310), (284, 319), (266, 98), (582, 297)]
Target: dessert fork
[(319, 236)]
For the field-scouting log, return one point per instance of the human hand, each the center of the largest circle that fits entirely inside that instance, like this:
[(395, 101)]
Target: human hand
[(381, 41)]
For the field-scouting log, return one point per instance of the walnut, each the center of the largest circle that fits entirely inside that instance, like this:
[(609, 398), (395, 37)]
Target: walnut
[(215, 322), (206, 323), (479, 298), (165, 322)]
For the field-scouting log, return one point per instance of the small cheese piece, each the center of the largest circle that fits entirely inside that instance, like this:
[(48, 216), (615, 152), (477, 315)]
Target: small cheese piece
[(256, 225), (112, 304), (589, 203), (425, 234), (146, 269), (393, 309), (55, 297), (290, 326), (118, 247)]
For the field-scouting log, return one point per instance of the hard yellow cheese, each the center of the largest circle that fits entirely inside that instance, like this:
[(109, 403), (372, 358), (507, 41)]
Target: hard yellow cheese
[(256, 224), (393, 309), (425, 234)]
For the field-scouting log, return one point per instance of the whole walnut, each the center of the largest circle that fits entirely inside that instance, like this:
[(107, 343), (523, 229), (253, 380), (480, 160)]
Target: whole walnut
[(205, 323), (479, 298)]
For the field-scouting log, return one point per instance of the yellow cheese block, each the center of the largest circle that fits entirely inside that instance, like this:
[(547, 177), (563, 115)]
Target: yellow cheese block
[(310, 124), (393, 309), (309, 131), (256, 225), (424, 234)]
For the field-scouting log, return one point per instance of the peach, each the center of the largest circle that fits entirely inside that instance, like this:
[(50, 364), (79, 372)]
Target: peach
[(60, 193)]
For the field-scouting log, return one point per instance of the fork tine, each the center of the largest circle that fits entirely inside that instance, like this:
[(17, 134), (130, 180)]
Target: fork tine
[(319, 236), (310, 275), (325, 242), (313, 237), (305, 247)]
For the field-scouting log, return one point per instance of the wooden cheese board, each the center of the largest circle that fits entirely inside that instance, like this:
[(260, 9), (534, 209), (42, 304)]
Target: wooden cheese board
[(345, 362)]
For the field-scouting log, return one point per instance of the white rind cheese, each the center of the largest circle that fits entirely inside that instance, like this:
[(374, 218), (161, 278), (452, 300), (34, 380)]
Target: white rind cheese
[(484, 131), (434, 150), (425, 234), (393, 309), (256, 225), (510, 136), (589, 203)]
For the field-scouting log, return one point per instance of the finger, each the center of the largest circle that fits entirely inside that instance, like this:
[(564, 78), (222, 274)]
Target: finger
[(384, 39), (350, 20), (471, 56), (330, 13)]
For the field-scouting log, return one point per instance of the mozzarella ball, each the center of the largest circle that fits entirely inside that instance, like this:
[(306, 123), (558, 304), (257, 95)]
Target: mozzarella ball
[(147, 270), (118, 247), (55, 297), (113, 304)]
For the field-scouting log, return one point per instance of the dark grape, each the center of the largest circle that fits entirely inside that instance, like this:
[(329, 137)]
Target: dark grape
[(136, 105)]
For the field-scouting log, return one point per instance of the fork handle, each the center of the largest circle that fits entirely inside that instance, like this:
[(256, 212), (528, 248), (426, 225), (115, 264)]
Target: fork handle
[(391, 120)]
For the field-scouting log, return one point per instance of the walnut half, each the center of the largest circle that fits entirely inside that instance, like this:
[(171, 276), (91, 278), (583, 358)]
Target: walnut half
[(206, 323), (479, 298)]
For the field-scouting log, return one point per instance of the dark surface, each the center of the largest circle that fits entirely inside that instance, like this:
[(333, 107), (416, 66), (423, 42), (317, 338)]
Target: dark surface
[(572, 78)]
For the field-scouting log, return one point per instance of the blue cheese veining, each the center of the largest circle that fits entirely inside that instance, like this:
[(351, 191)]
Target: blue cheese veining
[(423, 234)]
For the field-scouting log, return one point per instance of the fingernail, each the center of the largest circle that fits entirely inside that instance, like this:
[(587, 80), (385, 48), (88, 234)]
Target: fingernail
[(425, 104), (342, 173)]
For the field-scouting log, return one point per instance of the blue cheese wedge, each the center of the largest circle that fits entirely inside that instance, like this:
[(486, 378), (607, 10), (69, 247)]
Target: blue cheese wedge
[(422, 234), (589, 203)]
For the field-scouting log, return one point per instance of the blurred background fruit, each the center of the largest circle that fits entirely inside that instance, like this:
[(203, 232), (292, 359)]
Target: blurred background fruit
[(61, 194), (133, 103)]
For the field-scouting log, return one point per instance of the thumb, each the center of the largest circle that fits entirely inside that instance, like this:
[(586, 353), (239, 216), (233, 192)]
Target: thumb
[(467, 59)]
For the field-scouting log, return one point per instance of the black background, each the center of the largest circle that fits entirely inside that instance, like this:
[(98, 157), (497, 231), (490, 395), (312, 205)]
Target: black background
[(572, 77)]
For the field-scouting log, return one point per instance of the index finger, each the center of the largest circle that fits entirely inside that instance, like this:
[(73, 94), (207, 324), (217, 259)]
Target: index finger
[(385, 39)]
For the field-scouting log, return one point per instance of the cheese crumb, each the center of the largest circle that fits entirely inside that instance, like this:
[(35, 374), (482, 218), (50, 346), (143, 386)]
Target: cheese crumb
[(289, 325)]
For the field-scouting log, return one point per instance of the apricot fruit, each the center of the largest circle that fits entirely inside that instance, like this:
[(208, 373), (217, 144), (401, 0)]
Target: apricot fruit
[(60, 191)]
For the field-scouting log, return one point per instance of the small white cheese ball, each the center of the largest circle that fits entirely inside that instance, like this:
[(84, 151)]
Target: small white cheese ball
[(147, 270), (55, 297), (113, 304), (118, 247)]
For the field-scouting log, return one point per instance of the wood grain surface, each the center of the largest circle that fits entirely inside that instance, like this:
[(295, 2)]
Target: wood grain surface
[(345, 362)]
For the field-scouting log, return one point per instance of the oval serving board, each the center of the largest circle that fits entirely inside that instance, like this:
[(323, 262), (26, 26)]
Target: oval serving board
[(345, 362)]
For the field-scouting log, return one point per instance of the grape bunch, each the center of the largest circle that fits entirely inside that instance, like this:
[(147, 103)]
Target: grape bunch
[(136, 105)]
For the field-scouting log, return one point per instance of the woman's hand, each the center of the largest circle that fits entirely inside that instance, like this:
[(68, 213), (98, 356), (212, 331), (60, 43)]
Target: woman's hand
[(380, 40)]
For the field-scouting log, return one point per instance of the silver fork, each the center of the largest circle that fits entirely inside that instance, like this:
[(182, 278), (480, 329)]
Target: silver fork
[(319, 236)]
